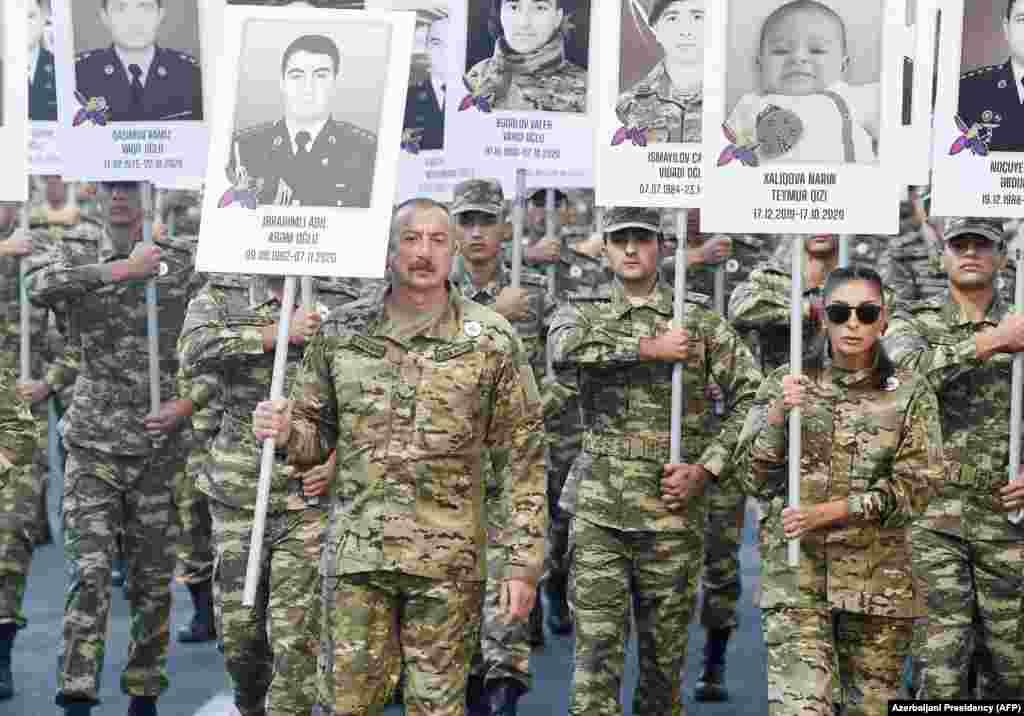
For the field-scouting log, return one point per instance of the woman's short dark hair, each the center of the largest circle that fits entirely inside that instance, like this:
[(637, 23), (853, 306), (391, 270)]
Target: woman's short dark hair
[(494, 27)]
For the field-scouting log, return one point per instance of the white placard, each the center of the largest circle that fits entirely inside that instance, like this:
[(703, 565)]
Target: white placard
[(13, 101), (422, 167), (647, 149), (979, 118), (524, 106), (802, 140), (268, 209), (110, 131)]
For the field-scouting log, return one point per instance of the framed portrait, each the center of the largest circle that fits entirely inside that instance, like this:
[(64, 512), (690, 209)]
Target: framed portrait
[(649, 103), (521, 75), (801, 102), (13, 101), (306, 136), (979, 116), (131, 105)]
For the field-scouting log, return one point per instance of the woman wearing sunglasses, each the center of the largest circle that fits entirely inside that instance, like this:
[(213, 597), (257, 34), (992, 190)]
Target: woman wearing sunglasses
[(871, 446)]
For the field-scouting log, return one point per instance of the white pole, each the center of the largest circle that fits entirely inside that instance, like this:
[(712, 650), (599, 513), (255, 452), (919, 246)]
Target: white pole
[(308, 306), (25, 372), (518, 219), (678, 317), (844, 250), (152, 326), (719, 407), (1017, 384), (796, 335)]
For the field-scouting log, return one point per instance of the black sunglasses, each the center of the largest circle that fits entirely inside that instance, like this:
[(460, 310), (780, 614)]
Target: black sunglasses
[(839, 313), (476, 218), (959, 245)]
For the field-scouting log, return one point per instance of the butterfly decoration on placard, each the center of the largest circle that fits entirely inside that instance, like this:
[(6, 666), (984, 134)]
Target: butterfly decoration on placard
[(741, 148), (238, 197), (94, 111), (481, 102), (636, 135), (975, 138), (411, 139)]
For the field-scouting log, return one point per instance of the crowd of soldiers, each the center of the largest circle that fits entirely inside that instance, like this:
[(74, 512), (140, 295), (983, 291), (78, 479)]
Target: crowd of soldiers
[(462, 461)]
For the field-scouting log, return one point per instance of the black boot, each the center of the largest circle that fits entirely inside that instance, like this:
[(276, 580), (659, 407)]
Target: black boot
[(78, 708), (558, 618), (476, 702), (711, 685), (535, 625), (142, 706), (503, 696), (7, 632), (201, 628)]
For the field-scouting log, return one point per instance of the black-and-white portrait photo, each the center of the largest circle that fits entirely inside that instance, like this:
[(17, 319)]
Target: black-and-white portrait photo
[(424, 104), (42, 76), (528, 54), (308, 112), (803, 79), (327, 4), (141, 56), (661, 68), (992, 71)]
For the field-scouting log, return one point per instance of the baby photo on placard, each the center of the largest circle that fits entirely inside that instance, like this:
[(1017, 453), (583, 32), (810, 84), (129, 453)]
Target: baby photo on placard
[(521, 83), (649, 101), (979, 113), (13, 101), (131, 105), (307, 130), (797, 122)]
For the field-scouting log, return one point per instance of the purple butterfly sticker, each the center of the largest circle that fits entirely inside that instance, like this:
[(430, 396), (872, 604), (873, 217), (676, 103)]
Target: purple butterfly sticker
[(975, 138), (737, 149), (481, 103), (411, 139), (94, 112), (242, 197), (636, 135)]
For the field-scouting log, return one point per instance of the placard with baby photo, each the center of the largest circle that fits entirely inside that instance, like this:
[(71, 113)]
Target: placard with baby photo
[(13, 101), (979, 110), (649, 103), (802, 99)]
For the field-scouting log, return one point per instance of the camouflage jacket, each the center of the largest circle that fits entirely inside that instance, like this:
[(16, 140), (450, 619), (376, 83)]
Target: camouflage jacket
[(111, 394), (626, 403), (653, 104), (748, 252), (933, 339), (878, 446), (410, 411), (10, 317), (223, 356)]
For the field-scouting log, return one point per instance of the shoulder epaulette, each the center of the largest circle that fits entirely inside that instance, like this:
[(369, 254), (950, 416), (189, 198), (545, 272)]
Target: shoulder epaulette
[(355, 131), (255, 129), (980, 71), (587, 298), (229, 280), (532, 279), (179, 243), (699, 299), (935, 303)]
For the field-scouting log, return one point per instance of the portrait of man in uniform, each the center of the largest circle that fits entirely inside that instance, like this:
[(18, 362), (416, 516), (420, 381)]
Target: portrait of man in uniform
[(992, 94), (141, 80), (42, 80), (424, 104), (307, 157)]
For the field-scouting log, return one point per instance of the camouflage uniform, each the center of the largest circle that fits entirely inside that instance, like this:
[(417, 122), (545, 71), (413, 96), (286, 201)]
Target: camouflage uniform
[(626, 545), (410, 408), (118, 480), (654, 105), (969, 557), (269, 651), (852, 601), (543, 80)]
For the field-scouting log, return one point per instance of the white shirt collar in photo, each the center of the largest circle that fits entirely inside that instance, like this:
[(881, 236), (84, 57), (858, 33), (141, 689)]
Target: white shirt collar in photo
[(33, 60), (319, 127), (147, 60), (1018, 74), (436, 83)]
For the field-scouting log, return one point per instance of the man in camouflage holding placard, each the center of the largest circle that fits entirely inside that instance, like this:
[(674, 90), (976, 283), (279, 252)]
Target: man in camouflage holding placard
[(638, 530), (968, 556)]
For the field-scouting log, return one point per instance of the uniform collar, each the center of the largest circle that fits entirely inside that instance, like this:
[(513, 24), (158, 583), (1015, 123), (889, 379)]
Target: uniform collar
[(953, 316), (660, 300), (471, 290), (844, 378), (144, 65), (661, 84), (313, 135), (445, 326)]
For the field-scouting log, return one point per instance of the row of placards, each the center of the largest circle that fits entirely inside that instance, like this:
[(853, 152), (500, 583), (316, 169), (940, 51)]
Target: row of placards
[(773, 117)]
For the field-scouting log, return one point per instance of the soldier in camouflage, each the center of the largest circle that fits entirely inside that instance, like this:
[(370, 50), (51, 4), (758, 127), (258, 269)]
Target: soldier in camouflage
[(410, 387), (871, 453), (121, 459), (667, 104), (529, 69), (633, 535), (966, 553), (501, 671)]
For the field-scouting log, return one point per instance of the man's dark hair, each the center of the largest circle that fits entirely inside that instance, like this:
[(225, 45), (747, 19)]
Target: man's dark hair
[(315, 45), (1009, 8), (103, 3), (795, 6), (494, 27)]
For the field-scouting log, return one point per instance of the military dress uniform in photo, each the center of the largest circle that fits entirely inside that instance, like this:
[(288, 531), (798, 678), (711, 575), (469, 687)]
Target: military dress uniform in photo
[(171, 90), (412, 409), (990, 96), (333, 169), (969, 557), (424, 115), (42, 89), (850, 606), (627, 547), (118, 480), (270, 650), (665, 114)]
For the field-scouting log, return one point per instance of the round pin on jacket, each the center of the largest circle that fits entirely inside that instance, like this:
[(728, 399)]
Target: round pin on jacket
[(891, 383), (473, 329), (575, 272), (732, 266), (164, 268)]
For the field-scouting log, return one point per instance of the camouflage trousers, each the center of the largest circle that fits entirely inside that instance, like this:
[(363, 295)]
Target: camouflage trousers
[(722, 539), (270, 649), (808, 646), (975, 608), (195, 547), (655, 573), (563, 450), (106, 496), (384, 623)]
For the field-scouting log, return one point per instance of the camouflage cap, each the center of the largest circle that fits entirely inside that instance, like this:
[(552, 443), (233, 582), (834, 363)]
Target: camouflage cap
[(625, 217), (986, 228), (478, 195)]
